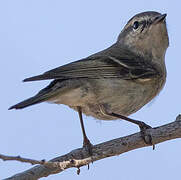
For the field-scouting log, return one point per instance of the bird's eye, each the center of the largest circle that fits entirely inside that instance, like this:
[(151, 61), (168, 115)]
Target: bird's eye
[(135, 25)]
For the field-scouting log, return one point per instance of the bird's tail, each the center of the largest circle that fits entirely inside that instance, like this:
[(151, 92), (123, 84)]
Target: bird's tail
[(43, 95), (28, 102)]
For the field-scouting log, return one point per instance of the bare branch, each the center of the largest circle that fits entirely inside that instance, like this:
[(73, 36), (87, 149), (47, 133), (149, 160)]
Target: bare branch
[(79, 157), (19, 158)]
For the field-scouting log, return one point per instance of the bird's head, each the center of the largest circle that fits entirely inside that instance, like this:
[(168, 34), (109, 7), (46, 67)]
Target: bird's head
[(146, 33)]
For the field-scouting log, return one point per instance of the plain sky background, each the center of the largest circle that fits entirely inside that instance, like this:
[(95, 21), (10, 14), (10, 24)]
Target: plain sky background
[(38, 35)]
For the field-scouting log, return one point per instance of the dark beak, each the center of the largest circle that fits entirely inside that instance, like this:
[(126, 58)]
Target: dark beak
[(159, 18)]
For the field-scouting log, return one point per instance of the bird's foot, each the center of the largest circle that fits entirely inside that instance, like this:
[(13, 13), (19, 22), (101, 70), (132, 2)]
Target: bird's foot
[(88, 146), (146, 137)]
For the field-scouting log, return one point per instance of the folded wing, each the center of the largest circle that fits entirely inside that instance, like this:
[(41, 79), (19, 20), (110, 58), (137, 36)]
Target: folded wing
[(98, 66)]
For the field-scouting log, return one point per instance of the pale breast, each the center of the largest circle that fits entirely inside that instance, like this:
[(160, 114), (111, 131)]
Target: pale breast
[(121, 97), (117, 95)]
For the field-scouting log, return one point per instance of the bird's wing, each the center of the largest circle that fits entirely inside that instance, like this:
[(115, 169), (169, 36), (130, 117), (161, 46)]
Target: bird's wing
[(99, 66)]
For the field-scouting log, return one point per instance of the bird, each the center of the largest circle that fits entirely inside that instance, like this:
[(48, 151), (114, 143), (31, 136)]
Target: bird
[(115, 82)]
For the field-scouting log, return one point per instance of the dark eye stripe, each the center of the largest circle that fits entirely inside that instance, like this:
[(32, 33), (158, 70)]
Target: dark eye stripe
[(129, 28), (144, 25)]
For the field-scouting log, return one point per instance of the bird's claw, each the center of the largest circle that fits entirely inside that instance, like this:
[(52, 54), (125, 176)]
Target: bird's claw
[(146, 137), (88, 146)]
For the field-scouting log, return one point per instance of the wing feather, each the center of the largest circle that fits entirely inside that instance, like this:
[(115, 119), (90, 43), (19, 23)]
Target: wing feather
[(99, 66)]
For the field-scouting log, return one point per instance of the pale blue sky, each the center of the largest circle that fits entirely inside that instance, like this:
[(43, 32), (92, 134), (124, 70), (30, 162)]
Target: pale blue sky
[(38, 35)]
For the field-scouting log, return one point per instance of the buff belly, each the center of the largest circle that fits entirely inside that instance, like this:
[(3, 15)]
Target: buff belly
[(114, 95)]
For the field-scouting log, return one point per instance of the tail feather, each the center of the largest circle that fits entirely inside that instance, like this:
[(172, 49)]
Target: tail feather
[(28, 102), (38, 78), (41, 96)]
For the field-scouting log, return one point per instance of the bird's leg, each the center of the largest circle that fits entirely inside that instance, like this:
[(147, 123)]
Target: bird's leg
[(143, 126), (86, 143)]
